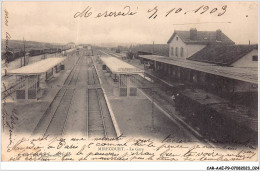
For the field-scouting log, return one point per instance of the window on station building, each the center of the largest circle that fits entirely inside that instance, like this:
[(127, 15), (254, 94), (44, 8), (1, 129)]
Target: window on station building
[(181, 52), (177, 38), (172, 51), (255, 58), (176, 51)]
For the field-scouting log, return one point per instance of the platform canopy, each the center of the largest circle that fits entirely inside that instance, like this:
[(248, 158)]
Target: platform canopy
[(118, 66), (243, 74), (37, 68)]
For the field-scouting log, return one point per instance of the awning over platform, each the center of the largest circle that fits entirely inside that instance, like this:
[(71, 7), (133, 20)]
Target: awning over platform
[(37, 67), (243, 74), (118, 66)]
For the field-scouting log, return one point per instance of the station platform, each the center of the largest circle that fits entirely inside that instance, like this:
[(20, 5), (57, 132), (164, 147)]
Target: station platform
[(30, 112), (138, 117)]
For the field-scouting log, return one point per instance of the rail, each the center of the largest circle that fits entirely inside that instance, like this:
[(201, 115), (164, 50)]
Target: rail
[(95, 82), (41, 126)]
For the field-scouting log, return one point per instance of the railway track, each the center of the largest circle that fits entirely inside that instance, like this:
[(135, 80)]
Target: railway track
[(54, 118), (151, 88), (99, 122)]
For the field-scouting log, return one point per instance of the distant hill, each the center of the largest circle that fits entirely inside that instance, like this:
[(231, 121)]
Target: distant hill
[(17, 45)]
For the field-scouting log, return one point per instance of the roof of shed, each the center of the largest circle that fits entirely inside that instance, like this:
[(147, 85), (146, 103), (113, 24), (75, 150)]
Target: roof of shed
[(118, 66), (242, 74), (37, 67)]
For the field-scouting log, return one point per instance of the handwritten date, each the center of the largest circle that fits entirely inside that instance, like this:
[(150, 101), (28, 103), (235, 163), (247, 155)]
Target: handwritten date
[(153, 13), (203, 9)]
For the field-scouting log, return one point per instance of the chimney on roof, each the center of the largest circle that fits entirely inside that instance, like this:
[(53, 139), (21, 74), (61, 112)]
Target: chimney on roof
[(218, 35), (193, 34)]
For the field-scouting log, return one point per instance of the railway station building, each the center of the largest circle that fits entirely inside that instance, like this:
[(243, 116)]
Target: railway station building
[(183, 44), (220, 78), (209, 60), (211, 77)]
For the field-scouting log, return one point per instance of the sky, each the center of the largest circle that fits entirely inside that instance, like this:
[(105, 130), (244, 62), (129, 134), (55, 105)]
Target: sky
[(55, 22)]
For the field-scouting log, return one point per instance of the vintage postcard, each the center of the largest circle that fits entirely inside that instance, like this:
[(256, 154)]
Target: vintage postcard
[(129, 81)]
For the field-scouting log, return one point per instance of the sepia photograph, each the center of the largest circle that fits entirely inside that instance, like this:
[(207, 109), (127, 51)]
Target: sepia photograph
[(121, 81)]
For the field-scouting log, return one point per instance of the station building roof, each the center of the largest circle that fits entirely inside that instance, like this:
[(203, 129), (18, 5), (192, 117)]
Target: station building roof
[(37, 67), (222, 54), (202, 37), (118, 66), (243, 74)]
